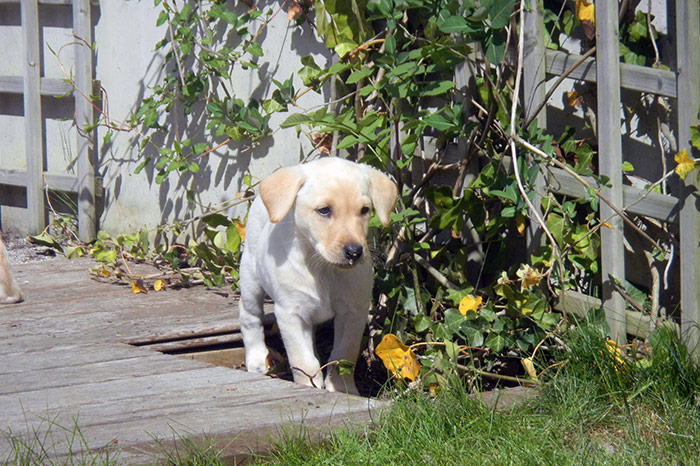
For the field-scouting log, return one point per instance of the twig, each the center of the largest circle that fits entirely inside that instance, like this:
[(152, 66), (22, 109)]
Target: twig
[(506, 378), (444, 281)]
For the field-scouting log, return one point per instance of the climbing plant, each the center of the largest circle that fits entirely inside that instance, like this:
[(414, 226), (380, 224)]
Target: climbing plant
[(457, 287)]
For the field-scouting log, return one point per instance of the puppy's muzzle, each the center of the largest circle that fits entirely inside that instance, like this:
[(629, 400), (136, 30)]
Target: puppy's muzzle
[(353, 252)]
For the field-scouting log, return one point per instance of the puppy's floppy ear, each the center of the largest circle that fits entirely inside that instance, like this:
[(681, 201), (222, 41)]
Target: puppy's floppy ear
[(279, 190), (383, 192)]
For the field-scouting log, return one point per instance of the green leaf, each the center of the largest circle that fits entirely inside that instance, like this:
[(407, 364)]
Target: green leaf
[(495, 342), (295, 119), (359, 75), (499, 13), (104, 255)]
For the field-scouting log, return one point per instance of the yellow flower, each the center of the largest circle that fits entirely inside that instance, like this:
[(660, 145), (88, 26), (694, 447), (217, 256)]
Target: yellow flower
[(469, 303)]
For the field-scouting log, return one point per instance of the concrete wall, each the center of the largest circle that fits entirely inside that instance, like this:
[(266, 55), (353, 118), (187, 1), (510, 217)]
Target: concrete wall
[(126, 66)]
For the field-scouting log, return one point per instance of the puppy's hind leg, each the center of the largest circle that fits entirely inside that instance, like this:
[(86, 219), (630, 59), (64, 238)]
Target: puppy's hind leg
[(251, 312)]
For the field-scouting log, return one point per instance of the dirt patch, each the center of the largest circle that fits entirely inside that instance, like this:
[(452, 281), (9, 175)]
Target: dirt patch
[(22, 251)]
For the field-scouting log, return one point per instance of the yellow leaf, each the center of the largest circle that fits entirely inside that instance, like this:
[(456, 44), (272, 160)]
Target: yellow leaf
[(137, 287), (158, 285), (585, 11), (240, 228), (469, 303), (684, 164), (607, 225), (102, 272), (520, 224), (397, 357), (529, 368), (529, 277)]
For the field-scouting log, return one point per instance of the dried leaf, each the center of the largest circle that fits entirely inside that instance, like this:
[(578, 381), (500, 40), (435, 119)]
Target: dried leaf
[(529, 368), (529, 277), (684, 164), (293, 12), (469, 303), (520, 224), (102, 272), (240, 228), (573, 99), (158, 285), (585, 12), (137, 286), (323, 142), (398, 358)]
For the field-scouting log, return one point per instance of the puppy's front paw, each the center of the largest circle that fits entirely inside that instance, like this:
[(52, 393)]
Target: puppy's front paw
[(256, 361), (341, 383)]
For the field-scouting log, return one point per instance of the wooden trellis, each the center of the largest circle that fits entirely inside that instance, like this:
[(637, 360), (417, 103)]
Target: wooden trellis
[(33, 86), (683, 85)]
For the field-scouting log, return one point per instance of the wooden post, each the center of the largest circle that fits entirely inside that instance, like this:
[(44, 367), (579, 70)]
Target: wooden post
[(84, 116), (688, 69), (534, 92), (33, 132), (610, 162)]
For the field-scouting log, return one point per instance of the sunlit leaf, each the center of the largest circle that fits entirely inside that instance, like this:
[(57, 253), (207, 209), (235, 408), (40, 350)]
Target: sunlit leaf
[(684, 164), (240, 228), (398, 358), (469, 303), (158, 285)]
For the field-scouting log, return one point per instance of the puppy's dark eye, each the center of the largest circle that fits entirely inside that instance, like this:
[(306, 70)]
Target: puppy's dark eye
[(364, 210), (324, 211)]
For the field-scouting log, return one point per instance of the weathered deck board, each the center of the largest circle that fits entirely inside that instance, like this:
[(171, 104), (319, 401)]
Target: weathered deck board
[(64, 359)]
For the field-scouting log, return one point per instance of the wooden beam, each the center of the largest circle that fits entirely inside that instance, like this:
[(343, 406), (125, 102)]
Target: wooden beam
[(688, 68), (633, 77), (636, 201), (48, 86), (638, 324), (84, 116), (33, 128), (54, 181), (610, 162)]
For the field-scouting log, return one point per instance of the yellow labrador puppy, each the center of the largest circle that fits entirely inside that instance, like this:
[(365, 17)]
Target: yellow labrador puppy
[(306, 248), (9, 289)]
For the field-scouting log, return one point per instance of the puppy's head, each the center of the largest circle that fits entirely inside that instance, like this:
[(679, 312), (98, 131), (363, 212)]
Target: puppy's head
[(332, 199)]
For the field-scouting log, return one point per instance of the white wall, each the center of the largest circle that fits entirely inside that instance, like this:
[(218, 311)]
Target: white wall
[(126, 66)]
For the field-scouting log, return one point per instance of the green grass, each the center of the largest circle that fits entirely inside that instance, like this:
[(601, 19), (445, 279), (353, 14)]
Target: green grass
[(596, 410)]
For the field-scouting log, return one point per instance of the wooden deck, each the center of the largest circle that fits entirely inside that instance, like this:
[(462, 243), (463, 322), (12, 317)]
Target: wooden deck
[(65, 360)]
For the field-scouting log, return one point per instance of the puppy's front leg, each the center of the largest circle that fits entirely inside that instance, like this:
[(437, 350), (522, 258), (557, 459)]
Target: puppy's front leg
[(347, 328), (251, 312), (298, 338)]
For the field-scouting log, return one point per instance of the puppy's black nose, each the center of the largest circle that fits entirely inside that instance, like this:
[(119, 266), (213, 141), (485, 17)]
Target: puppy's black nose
[(352, 251)]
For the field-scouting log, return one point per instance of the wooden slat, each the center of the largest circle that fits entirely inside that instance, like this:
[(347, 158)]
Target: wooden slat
[(633, 77), (49, 86), (534, 92), (84, 115), (42, 2), (610, 163), (534, 76), (688, 64), (636, 201), (638, 324), (34, 143), (55, 181)]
